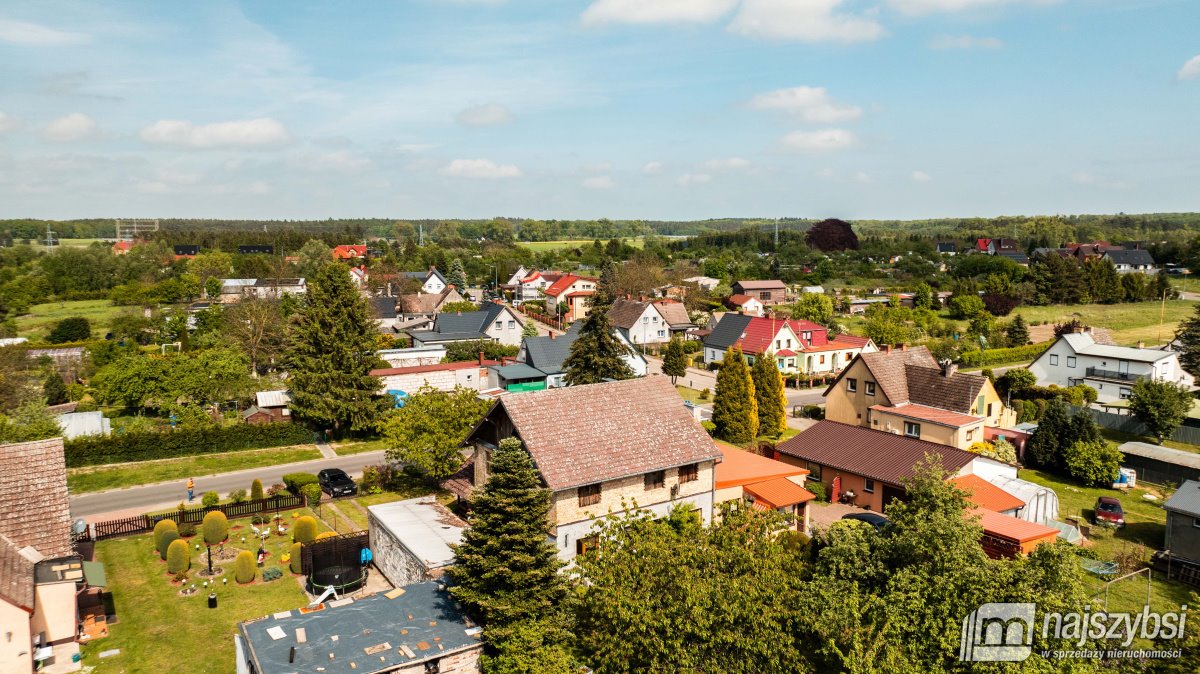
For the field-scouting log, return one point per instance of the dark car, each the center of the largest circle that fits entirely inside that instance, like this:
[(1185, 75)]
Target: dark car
[(874, 519), (1109, 511), (336, 482)]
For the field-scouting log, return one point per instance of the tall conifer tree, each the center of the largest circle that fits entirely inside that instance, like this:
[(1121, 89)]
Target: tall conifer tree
[(674, 360), (735, 409), (769, 395), (597, 354)]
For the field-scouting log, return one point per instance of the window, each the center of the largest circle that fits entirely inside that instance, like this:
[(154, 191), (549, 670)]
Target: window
[(655, 480), (869, 486), (654, 318), (589, 495), (584, 545), (970, 434), (851, 385), (1125, 394), (512, 324), (989, 409), (1070, 361), (433, 667), (499, 325), (689, 473), (1054, 359), (778, 344), (870, 388), (645, 320), (764, 295), (822, 359), (662, 333), (912, 430), (807, 336), (1196, 522), (814, 471), (789, 342)]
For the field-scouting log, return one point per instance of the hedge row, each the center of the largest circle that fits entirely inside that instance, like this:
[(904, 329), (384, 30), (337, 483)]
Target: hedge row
[(94, 450), (1015, 354)]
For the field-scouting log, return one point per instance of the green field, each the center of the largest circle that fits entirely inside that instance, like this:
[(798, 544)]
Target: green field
[(100, 478), (81, 243), (1129, 323), (41, 317), (543, 246)]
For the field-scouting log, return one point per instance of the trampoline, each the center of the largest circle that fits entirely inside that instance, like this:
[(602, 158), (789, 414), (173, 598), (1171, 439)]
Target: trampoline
[(336, 563)]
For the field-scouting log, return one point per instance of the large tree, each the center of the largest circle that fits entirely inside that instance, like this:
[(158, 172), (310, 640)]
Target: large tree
[(1046, 446), (256, 325), (814, 307), (1161, 405), (331, 354), (457, 276), (505, 571), (831, 234), (428, 432), (597, 354), (1187, 337), (1017, 332), (735, 407), (674, 360), (769, 396)]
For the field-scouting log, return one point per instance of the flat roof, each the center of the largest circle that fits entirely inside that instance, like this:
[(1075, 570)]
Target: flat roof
[(518, 371), (377, 633), (422, 526), (1164, 454)]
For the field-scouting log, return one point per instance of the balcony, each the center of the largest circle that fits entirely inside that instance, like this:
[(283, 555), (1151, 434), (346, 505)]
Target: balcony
[(1113, 376)]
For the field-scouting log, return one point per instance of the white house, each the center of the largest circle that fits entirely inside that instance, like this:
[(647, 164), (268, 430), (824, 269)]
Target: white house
[(1077, 358), (534, 285), (548, 353), (517, 275), (703, 282), (431, 281), (745, 304), (494, 323), (640, 322), (1127, 261)]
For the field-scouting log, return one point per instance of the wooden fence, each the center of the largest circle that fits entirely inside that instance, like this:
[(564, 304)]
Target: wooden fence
[(544, 318), (141, 524)]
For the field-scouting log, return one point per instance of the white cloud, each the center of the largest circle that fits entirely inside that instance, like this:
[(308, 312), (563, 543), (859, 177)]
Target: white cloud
[(812, 104), (1191, 69), (656, 11), (75, 126), (338, 161), (826, 173), (921, 177), (965, 42), (863, 177), (480, 168), (806, 21), (490, 114), (693, 179), (731, 164), (599, 183), (930, 6), (653, 167), (261, 132), (1083, 178), (9, 122), (37, 35), (819, 141)]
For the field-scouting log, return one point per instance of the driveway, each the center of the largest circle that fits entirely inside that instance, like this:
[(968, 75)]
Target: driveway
[(821, 515)]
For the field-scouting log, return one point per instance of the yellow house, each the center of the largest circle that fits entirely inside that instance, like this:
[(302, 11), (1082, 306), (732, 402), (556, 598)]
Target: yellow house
[(906, 392)]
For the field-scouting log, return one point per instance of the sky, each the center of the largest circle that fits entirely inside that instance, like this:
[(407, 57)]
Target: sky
[(654, 109)]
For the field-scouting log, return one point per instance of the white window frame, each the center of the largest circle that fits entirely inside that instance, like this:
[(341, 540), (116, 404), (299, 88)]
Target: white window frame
[(909, 427), (870, 388), (1054, 359), (851, 384), (1071, 361), (869, 485)]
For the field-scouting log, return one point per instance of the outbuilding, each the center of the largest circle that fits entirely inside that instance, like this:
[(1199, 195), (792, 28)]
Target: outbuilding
[(411, 540)]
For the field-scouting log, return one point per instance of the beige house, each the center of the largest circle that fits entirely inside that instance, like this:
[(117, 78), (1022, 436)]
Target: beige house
[(40, 574), (906, 392), (601, 448)]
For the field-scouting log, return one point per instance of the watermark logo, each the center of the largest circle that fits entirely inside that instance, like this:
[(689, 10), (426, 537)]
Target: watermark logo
[(1003, 632), (997, 633)]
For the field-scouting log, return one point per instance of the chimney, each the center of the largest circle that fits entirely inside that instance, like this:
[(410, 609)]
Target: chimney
[(481, 359), (887, 348), (949, 368), (904, 347), (551, 334)]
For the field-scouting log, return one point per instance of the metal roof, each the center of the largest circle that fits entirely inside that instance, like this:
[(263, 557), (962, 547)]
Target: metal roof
[(273, 398), (422, 526), (1164, 454), (1186, 499), (1085, 344), (518, 371)]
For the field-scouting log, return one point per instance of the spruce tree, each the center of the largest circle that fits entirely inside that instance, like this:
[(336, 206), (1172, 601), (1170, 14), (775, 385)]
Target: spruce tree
[(457, 276), (331, 354), (769, 396), (674, 360), (505, 571), (597, 354), (1017, 333), (53, 388), (735, 409), (529, 329), (1046, 446), (1187, 338), (923, 296)]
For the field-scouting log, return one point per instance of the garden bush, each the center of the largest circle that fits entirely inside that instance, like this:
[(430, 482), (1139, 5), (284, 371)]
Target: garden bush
[(372, 480), (1016, 354), (817, 489), (244, 568), (168, 537), (276, 489), (215, 527), (294, 563), (705, 394), (74, 329), (160, 528), (179, 556), (325, 534), (238, 496), (91, 450), (312, 493), (305, 529), (295, 481), (210, 499), (187, 530), (709, 427), (814, 412), (271, 574), (256, 490)]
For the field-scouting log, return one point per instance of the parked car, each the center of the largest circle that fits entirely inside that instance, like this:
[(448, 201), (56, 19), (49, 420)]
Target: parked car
[(336, 482), (1109, 511), (874, 519)]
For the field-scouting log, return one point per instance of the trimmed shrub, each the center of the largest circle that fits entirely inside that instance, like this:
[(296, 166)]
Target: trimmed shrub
[(215, 527), (238, 496), (305, 529), (705, 394), (187, 530), (325, 534), (295, 481), (312, 493), (244, 568), (179, 556), (1015, 354), (814, 412), (294, 563), (168, 537), (210, 499), (256, 490), (92, 450), (709, 427), (271, 574), (74, 329), (818, 490), (160, 528)]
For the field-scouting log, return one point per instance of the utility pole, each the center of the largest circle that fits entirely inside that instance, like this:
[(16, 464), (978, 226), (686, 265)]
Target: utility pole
[(776, 235)]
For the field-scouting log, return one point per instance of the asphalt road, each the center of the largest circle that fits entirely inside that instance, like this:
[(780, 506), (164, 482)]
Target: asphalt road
[(168, 494)]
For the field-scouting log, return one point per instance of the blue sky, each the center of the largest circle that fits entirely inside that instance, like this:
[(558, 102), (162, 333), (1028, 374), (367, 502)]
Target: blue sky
[(659, 109)]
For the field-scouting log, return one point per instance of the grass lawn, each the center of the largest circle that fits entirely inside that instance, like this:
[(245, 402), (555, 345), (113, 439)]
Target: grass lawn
[(1129, 323), (359, 447), (411, 489), (41, 317), (1118, 437), (692, 395), (160, 631), (543, 246), (99, 478)]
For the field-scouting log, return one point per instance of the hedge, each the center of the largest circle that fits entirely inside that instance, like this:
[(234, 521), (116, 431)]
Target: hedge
[(92, 450), (295, 482), (305, 529), (1015, 354)]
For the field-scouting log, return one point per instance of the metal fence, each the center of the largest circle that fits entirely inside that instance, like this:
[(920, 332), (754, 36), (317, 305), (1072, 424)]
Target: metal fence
[(141, 524)]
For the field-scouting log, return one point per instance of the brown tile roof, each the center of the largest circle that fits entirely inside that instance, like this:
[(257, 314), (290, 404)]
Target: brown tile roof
[(761, 285), (877, 455), (888, 370), (426, 303), (930, 387), (34, 508), (930, 414), (582, 435), (625, 313), (16, 575), (462, 482), (674, 313)]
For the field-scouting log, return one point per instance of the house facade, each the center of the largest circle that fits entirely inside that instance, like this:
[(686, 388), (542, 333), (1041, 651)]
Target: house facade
[(1129, 261), (1183, 522), (798, 346), (441, 376), (570, 296), (548, 354), (495, 322), (534, 285), (1077, 358), (431, 281), (745, 304), (641, 322), (764, 484), (603, 447), (769, 293)]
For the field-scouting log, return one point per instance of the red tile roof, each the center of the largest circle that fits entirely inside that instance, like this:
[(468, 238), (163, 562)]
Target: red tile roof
[(760, 333), (930, 414), (739, 467), (985, 494), (786, 353), (740, 300), (761, 285), (779, 492), (348, 252), (582, 435), (1012, 528)]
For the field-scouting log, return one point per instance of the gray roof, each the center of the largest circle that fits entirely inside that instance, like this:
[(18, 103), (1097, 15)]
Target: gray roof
[(1165, 454), (1085, 344), (383, 307), (278, 398), (1186, 499), (424, 275), (459, 327), (1015, 256), (946, 247), (422, 621), (518, 371), (728, 331), (1136, 257), (547, 354), (423, 526)]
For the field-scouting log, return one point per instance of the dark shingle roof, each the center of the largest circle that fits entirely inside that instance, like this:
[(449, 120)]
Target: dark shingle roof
[(624, 314), (728, 331), (1135, 258), (548, 354), (1014, 255), (877, 455), (930, 387), (947, 248), (383, 307)]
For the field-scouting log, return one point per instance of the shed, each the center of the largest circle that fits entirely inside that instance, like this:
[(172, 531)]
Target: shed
[(516, 377), (1183, 522), (1160, 465), (411, 539), (77, 424)]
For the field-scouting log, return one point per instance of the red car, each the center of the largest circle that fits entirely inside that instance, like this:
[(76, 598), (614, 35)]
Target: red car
[(1109, 511)]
